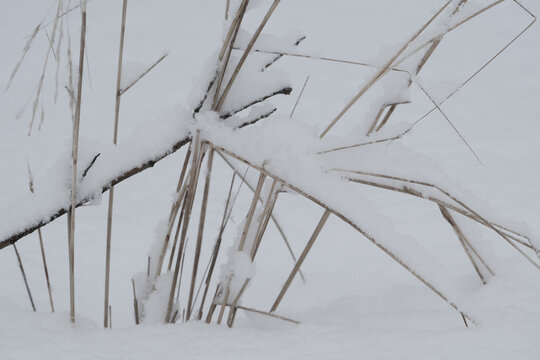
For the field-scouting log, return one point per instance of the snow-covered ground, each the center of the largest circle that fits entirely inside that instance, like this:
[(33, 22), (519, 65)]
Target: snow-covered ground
[(357, 303)]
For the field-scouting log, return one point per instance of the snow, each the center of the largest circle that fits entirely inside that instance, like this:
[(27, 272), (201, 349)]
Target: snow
[(357, 303)]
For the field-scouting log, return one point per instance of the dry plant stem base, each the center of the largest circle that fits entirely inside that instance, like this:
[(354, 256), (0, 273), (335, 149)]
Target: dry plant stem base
[(23, 273), (301, 259)]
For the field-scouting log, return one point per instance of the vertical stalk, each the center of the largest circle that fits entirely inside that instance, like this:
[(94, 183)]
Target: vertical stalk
[(74, 156), (201, 230), (111, 191)]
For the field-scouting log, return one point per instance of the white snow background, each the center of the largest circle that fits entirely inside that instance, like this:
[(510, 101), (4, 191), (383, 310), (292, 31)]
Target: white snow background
[(357, 303)]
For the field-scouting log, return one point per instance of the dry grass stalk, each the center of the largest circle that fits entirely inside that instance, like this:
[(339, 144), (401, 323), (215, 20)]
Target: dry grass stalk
[(41, 246), (391, 106), (210, 313), (421, 64), (123, 91), (232, 28), (464, 210), (246, 53), (225, 299), (24, 277), (265, 217), (135, 303), (268, 314), (353, 225), (448, 217), (172, 213), (59, 17), (74, 156), (251, 211), (230, 41), (217, 246), (279, 56), (481, 68), (299, 96), (455, 26), (115, 138), (177, 232), (26, 48), (385, 69), (449, 121), (200, 231), (245, 231), (274, 219), (261, 229), (318, 58), (301, 259), (234, 304), (193, 176)]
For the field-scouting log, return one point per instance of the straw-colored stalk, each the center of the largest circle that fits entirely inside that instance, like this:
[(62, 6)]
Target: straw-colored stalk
[(217, 246), (464, 243), (74, 157), (172, 214), (299, 96), (200, 231), (236, 24), (301, 259), (193, 177), (23, 273), (115, 138)]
